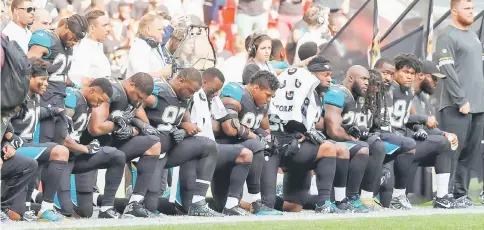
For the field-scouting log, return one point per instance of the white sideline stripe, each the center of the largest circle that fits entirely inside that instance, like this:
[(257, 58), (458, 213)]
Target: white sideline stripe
[(180, 220), (202, 181)]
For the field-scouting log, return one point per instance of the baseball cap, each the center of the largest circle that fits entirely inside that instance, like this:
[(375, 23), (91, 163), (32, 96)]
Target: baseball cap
[(429, 67)]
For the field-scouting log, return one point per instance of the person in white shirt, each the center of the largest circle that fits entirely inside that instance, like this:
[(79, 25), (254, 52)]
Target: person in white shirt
[(317, 19), (146, 54), (42, 20), (22, 16), (89, 61), (233, 67)]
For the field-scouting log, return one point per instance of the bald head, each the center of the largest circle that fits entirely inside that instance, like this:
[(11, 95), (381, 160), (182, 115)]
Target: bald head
[(42, 20), (357, 79)]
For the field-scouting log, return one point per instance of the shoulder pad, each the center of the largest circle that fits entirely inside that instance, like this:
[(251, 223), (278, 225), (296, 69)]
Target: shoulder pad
[(41, 38), (232, 90), (71, 98), (335, 96)]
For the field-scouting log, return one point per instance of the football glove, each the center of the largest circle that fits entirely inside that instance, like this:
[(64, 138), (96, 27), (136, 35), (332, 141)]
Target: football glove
[(315, 136), (16, 141), (143, 127), (178, 134), (123, 133), (352, 130), (420, 135), (93, 147)]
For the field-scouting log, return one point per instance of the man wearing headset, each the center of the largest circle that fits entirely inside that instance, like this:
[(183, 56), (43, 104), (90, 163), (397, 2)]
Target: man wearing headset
[(317, 19), (147, 54)]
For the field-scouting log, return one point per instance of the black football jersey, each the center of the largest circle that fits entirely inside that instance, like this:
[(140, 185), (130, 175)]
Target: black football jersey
[(250, 114), (168, 110), (26, 121), (400, 111), (79, 110)]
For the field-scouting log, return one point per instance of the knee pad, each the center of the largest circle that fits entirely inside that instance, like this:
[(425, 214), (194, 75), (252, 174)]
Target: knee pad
[(408, 144)]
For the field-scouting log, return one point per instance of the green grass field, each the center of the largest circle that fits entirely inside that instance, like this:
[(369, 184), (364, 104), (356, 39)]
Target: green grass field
[(475, 221)]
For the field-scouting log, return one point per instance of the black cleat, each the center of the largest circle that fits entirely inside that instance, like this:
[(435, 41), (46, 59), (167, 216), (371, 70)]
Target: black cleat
[(260, 209), (135, 209), (201, 209), (235, 211), (109, 214)]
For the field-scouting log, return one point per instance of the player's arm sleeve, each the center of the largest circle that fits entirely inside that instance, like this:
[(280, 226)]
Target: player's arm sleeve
[(417, 119), (435, 131), (40, 38), (445, 54)]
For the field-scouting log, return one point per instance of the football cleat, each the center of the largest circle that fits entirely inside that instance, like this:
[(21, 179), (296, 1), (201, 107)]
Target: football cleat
[(50, 215), (464, 201), (29, 216), (235, 211), (328, 207), (371, 204), (135, 209), (109, 214), (260, 209), (201, 209), (356, 205), (400, 203)]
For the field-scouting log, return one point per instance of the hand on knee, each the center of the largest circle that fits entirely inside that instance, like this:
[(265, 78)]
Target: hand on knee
[(155, 150), (59, 153)]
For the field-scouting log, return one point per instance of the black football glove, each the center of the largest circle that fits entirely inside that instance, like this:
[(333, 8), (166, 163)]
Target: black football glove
[(16, 141), (315, 136), (143, 127), (178, 134), (93, 147), (123, 133), (117, 118), (353, 130), (420, 135)]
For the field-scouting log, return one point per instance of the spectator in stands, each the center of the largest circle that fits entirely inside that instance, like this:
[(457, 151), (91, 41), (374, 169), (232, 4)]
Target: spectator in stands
[(233, 67), (113, 6), (95, 5), (48, 6), (72, 6), (298, 30), (218, 40), (89, 61), (336, 21), (278, 56), (42, 20), (186, 7), (259, 47), (124, 26), (287, 13), (317, 19), (147, 55), (23, 16), (252, 15)]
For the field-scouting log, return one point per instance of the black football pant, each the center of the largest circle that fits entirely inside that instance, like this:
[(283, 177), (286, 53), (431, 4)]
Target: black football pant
[(470, 130)]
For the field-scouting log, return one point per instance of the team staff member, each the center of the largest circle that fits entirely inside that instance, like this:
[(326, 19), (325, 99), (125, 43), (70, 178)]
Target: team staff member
[(89, 61), (259, 48), (459, 54), (147, 54), (23, 16)]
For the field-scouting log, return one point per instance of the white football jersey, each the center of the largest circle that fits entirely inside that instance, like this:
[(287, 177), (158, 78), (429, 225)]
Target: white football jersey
[(202, 115)]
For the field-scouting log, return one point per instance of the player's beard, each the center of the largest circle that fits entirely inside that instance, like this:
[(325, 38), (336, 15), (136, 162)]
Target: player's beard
[(356, 89), (426, 87), (464, 21)]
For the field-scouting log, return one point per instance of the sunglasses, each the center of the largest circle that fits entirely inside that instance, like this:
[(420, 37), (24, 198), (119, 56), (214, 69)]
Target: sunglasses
[(28, 9)]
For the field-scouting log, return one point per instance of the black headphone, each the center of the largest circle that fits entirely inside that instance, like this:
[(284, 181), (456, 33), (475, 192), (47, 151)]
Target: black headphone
[(252, 49), (153, 43)]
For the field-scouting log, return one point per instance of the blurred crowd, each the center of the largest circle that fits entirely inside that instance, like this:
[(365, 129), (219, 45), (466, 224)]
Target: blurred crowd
[(230, 22)]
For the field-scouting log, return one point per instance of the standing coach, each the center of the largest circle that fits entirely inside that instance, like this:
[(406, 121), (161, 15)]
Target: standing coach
[(460, 54)]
